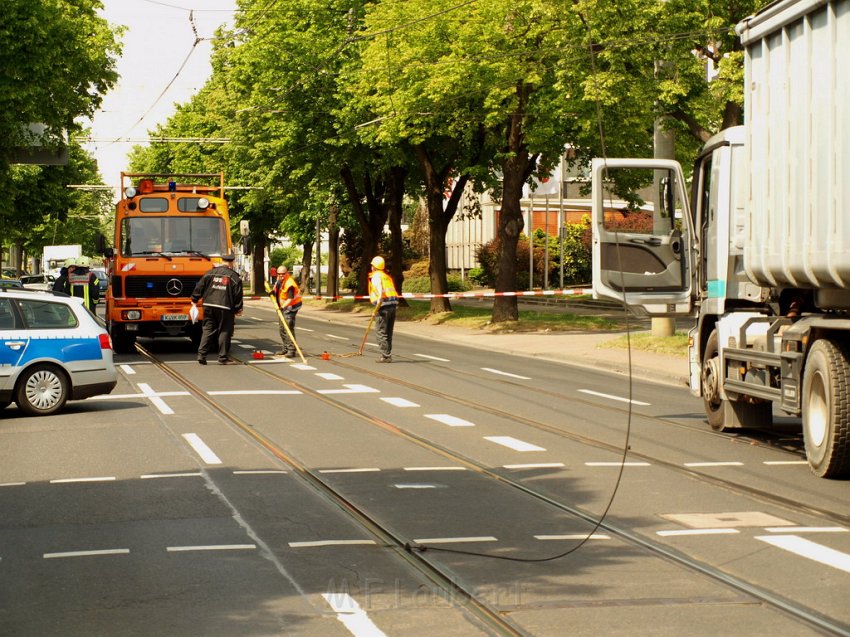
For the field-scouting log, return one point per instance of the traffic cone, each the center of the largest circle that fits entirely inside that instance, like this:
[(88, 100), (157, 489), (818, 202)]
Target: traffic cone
[(326, 356), (258, 355)]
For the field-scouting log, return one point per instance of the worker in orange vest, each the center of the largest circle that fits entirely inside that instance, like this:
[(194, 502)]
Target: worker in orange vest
[(288, 297)]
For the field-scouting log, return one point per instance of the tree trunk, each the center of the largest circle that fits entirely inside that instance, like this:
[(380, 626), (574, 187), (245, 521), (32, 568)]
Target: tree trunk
[(395, 202), (371, 218), (259, 266), (306, 263), (333, 251)]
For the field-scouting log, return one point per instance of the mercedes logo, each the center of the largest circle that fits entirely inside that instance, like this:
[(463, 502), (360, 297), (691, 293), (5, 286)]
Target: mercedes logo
[(174, 287)]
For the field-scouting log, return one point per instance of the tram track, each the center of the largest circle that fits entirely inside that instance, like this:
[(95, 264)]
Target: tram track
[(447, 580)]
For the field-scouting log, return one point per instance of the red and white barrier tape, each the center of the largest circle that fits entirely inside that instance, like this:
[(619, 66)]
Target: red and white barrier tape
[(454, 295)]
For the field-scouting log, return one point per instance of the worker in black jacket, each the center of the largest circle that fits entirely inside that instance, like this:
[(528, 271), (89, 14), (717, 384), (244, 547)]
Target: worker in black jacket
[(221, 291)]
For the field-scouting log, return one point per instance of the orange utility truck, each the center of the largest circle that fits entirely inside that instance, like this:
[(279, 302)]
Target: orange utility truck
[(169, 230)]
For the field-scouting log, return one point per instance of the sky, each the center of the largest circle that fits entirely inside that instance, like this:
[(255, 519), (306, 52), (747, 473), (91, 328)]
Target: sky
[(157, 41)]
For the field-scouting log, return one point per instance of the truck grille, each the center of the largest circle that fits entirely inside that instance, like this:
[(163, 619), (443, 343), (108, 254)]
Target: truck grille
[(145, 287)]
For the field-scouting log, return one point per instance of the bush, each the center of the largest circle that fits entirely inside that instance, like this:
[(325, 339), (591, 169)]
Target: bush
[(422, 285), (478, 277)]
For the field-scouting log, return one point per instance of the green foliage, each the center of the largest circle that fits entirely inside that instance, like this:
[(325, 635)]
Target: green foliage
[(477, 276), (422, 285), (288, 256)]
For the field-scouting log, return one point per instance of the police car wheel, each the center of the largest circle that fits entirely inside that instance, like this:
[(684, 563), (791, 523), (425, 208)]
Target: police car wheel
[(42, 390)]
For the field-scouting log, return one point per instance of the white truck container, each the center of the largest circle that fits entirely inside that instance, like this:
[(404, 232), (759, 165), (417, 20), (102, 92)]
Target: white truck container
[(761, 254), (54, 257)]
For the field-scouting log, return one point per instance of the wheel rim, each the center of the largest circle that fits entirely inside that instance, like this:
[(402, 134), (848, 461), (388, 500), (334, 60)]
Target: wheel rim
[(710, 381), (44, 389), (818, 412)]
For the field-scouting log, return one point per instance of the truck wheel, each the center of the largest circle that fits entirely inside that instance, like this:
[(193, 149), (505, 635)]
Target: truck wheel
[(41, 390), (826, 411), (710, 378), (122, 342)]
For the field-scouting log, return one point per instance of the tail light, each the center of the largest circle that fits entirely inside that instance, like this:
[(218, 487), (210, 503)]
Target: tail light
[(105, 341)]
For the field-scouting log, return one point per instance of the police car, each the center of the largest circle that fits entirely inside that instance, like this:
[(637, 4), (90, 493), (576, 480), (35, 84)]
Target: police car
[(52, 349)]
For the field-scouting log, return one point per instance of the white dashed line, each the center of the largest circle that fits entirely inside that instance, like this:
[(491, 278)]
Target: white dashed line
[(302, 366), (610, 397), (153, 476), (400, 402), (434, 468), (697, 532), (339, 338), (617, 464), (202, 449), (354, 618), (513, 443), (806, 529), (351, 389), (537, 465), (212, 547), (128, 370), (415, 486), (501, 373), (160, 394), (12, 484), (714, 464), (451, 421), (158, 402), (258, 472), (363, 470), (452, 540), (433, 358), (329, 376), (50, 556), (70, 480), (808, 549), (303, 545), (573, 536), (305, 329), (783, 462)]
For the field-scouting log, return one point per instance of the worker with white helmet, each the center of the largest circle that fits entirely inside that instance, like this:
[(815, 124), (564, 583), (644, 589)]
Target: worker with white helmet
[(76, 279), (384, 296)]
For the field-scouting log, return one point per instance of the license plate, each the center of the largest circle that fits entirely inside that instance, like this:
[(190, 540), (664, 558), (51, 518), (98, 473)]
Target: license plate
[(175, 317)]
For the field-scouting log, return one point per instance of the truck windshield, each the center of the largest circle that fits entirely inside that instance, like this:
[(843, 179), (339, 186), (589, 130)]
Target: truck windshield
[(172, 235)]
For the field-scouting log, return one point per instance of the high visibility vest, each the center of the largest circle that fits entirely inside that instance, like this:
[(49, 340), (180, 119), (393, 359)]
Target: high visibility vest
[(283, 299), (83, 281), (382, 282)]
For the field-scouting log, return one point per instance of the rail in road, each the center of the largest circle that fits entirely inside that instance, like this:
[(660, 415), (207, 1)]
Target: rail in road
[(425, 557)]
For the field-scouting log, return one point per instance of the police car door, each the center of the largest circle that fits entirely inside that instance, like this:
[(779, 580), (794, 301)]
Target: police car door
[(643, 242), (13, 342)]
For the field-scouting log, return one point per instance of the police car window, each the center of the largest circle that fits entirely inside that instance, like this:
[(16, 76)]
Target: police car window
[(153, 204), (8, 319), (46, 315)]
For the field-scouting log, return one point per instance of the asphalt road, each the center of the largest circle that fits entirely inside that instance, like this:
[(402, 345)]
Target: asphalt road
[(168, 507)]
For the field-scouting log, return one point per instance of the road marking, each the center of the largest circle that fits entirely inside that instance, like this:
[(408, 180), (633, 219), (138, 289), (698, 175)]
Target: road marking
[(617, 464), (610, 397), (806, 529), (697, 532), (433, 358), (305, 329), (730, 463), (212, 547), (573, 536), (808, 549), (351, 389), (12, 484), (501, 373), (451, 421), (363, 470), (152, 476), (202, 449), (118, 396), (434, 469), (258, 472), (513, 443), (302, 545), (329, 376), (452, 540), (415, 486), (302, 366), (158, 402), (535, 465), (69, 480), (339, 338), (50, 556), (128, 370), (255, 392), (243, 346), (354, 618), (399, 402), (726, 520), (782, 462)]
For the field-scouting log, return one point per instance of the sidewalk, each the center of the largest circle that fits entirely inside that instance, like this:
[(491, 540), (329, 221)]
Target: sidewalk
[(575, 348)]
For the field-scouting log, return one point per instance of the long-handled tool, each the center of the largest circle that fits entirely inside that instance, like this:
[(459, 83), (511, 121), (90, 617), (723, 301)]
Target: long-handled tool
[(369, 327), (283, 322)]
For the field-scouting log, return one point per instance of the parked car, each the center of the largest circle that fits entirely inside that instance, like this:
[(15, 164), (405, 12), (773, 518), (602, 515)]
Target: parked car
[(52, 349), (38, 281), (103, 282)]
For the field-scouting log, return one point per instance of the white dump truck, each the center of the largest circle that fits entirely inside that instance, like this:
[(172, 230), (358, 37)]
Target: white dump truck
[(760, 255), (54, 257)]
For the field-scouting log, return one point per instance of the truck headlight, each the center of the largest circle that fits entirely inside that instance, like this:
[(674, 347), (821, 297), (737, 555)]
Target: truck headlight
[(132, 315)]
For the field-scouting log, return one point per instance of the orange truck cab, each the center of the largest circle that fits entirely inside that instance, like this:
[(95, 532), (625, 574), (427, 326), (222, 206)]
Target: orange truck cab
[(169, 230)]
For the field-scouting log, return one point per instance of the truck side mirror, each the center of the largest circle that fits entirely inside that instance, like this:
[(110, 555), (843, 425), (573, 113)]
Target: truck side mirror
[(100, 244), (247, 248)]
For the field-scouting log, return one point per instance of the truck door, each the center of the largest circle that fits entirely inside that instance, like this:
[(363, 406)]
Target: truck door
[(643, 242)]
